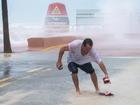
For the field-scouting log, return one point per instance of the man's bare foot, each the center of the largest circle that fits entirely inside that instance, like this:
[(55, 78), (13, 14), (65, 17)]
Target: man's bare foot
[(78, 93), (97, 91)]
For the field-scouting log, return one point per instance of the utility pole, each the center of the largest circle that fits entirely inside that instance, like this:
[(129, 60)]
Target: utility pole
[(7, 45)]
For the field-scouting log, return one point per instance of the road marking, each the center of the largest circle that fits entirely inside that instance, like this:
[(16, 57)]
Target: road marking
[(49, 69), (35, 70), (5, 80), (4, 84), (52, 47)]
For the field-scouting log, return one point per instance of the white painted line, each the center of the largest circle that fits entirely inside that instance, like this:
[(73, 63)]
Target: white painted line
[(49, 69), (38, 69), (34, 70)]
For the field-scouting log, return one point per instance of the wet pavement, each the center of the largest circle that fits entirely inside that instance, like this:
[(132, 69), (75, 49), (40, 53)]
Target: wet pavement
[(34, 80)]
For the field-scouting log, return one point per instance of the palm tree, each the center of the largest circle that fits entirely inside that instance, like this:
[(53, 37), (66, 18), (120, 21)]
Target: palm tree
[(7, 45)]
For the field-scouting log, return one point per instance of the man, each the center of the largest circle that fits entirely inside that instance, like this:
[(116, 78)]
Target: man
[(81, 53)]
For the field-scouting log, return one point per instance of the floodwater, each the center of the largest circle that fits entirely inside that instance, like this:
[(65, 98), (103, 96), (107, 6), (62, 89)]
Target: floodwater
[(53, 87)]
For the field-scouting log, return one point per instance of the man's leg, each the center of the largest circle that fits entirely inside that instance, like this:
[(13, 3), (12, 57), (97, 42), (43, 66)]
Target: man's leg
[(76, 82), (89, 69), (73, 67), (95, 81)]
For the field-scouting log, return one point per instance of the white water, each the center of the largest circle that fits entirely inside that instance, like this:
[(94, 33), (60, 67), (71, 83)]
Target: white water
[(119, 27)]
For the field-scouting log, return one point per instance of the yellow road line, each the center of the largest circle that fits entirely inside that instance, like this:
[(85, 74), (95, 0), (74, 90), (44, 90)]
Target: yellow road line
[(52, 47), (4, 84), (4, 80)]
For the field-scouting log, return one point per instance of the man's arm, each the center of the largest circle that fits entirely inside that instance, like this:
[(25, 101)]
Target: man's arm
[(61, 53), (103, 68)]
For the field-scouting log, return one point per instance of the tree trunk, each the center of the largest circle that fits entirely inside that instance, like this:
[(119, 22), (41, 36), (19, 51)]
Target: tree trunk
[(7, 45)]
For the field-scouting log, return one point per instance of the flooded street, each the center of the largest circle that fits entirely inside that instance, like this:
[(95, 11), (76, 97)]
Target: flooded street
[(38, 82)]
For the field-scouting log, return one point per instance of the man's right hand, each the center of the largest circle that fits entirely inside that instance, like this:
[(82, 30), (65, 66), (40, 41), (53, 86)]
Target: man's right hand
[(106, 80), (59, 65)]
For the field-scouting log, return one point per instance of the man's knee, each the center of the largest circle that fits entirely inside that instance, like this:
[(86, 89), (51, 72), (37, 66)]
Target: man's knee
[(74, 72), (73, 67), (93, 74)]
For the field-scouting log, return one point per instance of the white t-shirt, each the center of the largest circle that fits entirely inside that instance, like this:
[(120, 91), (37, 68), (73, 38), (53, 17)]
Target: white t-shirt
[(74, 54)]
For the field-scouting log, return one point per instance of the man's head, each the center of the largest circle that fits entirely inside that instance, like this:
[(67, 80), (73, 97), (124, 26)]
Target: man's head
[(86, 45)]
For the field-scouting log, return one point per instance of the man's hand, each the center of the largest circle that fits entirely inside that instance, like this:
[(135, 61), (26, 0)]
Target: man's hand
[(103, 68), (106, 79), (59, 65)]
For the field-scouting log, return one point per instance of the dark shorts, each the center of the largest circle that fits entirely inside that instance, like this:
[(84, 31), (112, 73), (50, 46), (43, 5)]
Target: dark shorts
[(87, 67)]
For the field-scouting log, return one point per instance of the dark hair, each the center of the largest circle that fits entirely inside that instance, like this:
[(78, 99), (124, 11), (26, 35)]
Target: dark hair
[(88, 41)]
